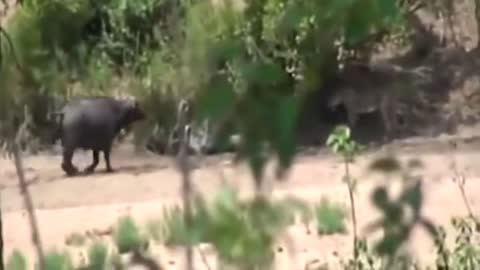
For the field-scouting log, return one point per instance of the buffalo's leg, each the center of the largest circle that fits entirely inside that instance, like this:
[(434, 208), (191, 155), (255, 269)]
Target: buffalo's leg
[(106, 155), (67, 165), (94, 164)]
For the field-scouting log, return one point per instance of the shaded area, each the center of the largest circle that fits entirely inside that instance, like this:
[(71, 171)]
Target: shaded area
[(438, 106)]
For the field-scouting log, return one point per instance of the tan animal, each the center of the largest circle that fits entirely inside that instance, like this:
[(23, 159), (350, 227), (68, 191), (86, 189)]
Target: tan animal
[(363, 102), (374, 89)]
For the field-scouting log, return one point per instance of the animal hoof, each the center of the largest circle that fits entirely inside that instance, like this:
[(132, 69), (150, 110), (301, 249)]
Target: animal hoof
[(110, 170), (70, 170), (89, 170)]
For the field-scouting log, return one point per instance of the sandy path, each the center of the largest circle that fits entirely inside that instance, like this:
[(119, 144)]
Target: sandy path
[(145, 183)]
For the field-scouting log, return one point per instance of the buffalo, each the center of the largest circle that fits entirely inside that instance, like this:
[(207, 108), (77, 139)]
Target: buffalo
[(91, 123)]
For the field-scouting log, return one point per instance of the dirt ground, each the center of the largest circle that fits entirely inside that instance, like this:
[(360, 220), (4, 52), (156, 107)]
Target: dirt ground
[(144, 183)]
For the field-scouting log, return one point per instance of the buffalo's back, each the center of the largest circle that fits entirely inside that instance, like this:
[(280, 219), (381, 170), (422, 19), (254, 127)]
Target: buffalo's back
[(90, 123)]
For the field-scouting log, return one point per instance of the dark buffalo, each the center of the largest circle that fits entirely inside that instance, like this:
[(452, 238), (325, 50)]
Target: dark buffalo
[(91, 123)]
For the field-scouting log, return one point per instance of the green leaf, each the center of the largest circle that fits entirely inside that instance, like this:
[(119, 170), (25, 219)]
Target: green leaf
[(380, 198), (292, 16), (218, 100), (55, 260), (256, 158), (127, 235), (359, 24), (97, 256), (285, 118), (264, 74), (388, 8), (413, 196)]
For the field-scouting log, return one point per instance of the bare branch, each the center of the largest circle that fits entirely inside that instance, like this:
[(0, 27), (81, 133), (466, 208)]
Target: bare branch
[(184, 167), (26, 195)]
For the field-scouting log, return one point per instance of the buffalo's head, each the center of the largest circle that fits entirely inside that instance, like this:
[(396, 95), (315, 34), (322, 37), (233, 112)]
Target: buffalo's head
[(131, 112)]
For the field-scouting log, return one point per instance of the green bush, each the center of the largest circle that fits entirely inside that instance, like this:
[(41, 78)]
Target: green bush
[(127, 236), (55, 260), (16, 261), (231, 61), (243, 231), (97, 256), (173, 229), (330, 217)]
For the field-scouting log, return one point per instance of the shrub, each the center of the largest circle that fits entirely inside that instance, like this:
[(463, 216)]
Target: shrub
[(174, 231), (17, 261), (127, 235), (330, 217), (55, 260), (97, 256)]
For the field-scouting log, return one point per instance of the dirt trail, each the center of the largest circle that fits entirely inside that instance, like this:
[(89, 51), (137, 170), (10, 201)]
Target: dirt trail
[(144, 183)]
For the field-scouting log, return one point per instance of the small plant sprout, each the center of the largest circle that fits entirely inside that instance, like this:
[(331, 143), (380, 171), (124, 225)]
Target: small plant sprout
[(340, 142)]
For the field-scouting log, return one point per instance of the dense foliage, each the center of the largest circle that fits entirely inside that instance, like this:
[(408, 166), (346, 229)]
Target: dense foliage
[(247, 65)]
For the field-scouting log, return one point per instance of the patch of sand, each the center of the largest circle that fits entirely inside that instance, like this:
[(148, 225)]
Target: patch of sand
[(143, 184)]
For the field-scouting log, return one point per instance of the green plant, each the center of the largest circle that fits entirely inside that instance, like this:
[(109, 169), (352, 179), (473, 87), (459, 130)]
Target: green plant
[(401, 214), (330, 217), (340, 142), (16, 261), (55, 260), (127, 235), (97, 256), (173, 229), (243, 232), (465, 254), (442, 260), (366, 259)]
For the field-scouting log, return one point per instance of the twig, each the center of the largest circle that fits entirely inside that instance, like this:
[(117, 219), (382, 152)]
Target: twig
[(10, 43), (353, 212), (15, 149), (184, 166), (26, 195), (460, 179), (204, 258), (18, 165)]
